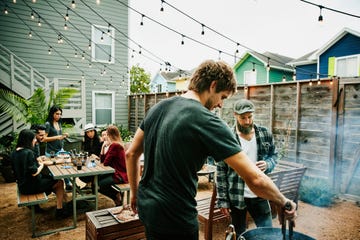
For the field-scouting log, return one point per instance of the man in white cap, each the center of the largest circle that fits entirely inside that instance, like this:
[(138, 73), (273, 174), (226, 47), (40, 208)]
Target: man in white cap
[(234, 196)]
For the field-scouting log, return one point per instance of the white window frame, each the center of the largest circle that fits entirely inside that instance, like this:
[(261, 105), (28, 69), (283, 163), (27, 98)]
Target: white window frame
[(250, 77), (94, 93), (108, 36), (345, 58)]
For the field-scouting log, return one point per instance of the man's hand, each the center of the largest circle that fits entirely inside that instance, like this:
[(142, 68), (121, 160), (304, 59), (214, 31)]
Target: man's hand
[(287, 212), (261, 165)]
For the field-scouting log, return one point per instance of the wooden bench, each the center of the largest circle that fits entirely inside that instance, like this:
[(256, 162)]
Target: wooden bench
[(122, 188), (30, 200), (208, 213)]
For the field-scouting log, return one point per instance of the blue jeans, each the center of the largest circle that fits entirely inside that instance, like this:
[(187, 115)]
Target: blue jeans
[(259, 210)]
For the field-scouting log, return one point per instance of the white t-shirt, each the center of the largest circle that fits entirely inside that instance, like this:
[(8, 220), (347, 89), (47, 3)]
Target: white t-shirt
[(250, 149)]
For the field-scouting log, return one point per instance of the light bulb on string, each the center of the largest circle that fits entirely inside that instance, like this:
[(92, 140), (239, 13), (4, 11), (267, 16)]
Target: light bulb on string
[(50, 50), (219, 57), (32, 16), (253, 69), (202, 30), (39, 22), (83, 56), (319, 81), (30, 34), (142, 20), (102, 37), (294, 74), (34, 1), (90, 65), (268, 64), (109, 31), (284, 78), (98, 2), (89, 46), (73, 5), (320, 19), (68, 65), (140, 50), (182, 39), (82, 75), (65, 26), (5, 10), (162, 7), (14, 1), (76, 53), (67, 15), (237, 47)]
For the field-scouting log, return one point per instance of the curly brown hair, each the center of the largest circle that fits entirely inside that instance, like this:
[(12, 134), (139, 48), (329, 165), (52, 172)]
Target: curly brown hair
[(209, 71)]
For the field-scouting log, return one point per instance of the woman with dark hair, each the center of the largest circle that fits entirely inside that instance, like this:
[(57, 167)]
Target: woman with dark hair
[(28, 172), (54, 136), (92, 143), (115, 158)]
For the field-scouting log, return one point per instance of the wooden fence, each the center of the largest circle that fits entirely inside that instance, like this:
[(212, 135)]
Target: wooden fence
[(317, 125)]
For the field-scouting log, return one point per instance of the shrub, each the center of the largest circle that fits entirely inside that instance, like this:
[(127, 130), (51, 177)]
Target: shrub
[(316, 191)]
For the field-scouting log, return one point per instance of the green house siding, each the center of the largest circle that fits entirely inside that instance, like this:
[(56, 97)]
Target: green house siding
[(277, 75), (16, 26), (247, 65)]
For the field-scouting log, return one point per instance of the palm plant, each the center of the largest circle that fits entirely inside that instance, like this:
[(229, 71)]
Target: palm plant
[(35, 109)]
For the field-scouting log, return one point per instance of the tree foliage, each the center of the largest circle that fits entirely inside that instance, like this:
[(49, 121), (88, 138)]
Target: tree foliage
[(139, 80), (35, 109)]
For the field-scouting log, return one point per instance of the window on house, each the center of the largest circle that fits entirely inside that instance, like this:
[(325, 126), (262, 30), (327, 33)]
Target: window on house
[(102, 44), (250, 77), (347, 66), (103, 108), (159, 88)]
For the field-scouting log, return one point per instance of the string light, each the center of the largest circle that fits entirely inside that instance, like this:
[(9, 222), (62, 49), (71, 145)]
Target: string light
[(14, 1), (32, 15), (89, 46), (142, 20), (68, 65), (284, 78), (109, 31), (320, 19), (268, 64), (219, 55), (65, 26), (34, 1), (73, 5), (50, 50), (182, 39), (30, 34), (98, 2), (294, 74), (318, 81), (162, 7), (83, 56), (202, 31), (253, 69), (5, 10), (102, 37), (76, 54), (67, 15), (140, 50), (39, 22)]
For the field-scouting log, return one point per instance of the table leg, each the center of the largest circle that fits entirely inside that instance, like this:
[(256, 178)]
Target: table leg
[(96, 191), (73, 181)]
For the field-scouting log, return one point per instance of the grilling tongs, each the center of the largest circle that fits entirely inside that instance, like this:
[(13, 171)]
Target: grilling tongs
[(291, 223)]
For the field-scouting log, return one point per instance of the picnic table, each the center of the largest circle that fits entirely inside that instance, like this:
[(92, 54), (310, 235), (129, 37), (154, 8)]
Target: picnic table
[(59, 171)]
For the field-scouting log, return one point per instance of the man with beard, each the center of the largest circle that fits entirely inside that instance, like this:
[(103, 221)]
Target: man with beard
[(234, 197)]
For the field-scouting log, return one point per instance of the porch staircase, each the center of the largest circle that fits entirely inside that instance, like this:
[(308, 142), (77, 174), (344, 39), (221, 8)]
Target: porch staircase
[(22, 79)]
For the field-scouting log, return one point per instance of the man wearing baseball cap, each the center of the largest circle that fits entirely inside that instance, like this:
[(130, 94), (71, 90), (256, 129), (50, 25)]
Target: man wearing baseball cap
[(234, 195)]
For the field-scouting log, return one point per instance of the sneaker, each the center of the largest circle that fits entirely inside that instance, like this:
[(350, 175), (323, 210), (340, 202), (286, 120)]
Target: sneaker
[(62, 213)]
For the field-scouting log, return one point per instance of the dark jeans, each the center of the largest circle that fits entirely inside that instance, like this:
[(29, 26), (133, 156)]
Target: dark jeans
[(259, 210), (105, 182), (151, 235)]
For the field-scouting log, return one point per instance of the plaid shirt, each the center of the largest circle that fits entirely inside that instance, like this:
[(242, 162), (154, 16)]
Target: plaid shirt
[(230, 186)]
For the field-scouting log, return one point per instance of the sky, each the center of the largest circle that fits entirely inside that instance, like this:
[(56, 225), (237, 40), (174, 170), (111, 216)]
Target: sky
[(285, 27)]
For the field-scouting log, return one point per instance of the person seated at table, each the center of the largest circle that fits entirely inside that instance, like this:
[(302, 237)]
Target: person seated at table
[(104, 141), (92, 141), (92, 146), (28, 169), (115, 158)]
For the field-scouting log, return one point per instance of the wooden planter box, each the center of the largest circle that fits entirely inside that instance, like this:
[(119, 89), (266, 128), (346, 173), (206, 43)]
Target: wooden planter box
[(102, 225)]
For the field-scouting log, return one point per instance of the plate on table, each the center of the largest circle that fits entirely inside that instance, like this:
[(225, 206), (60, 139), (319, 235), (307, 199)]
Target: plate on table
[(123, 214)]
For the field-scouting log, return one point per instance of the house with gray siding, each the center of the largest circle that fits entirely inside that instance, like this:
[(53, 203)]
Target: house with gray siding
[(53, 45)]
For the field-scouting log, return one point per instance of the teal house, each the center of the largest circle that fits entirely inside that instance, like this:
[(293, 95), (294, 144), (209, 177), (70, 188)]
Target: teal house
[(255, 68)]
